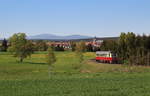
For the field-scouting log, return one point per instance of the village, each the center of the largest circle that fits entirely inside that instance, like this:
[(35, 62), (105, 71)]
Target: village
[(94, 43)]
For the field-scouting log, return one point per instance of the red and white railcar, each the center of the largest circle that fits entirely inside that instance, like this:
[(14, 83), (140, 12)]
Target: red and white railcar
[(106, 57)]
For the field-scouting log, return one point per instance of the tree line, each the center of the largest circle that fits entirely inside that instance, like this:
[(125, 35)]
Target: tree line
[(131, 48)]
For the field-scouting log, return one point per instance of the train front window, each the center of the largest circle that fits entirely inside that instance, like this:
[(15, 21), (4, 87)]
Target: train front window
[(113, 55), (102, 55)]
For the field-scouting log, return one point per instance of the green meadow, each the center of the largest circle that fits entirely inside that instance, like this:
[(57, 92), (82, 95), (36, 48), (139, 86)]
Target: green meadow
[(31, 77)]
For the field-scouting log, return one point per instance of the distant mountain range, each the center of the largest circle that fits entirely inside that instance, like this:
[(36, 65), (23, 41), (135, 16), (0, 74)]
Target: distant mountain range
[(52, 37), (56, 37)]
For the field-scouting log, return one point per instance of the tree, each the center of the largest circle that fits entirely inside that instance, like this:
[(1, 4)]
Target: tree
[(146, 42), (41, 45), (109, 45), (73, 45), (28, 48), (80, 47), (79, 51), (130, 42), (20, 46), (122, 46), (4, 45), (89, 48), (50, 58), (79, 54)]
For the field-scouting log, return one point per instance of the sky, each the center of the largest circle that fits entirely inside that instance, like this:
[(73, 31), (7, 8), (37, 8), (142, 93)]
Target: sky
[(101, 18)]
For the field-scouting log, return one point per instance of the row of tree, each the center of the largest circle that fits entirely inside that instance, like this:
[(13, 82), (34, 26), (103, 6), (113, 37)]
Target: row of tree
[(39, 45), (130, 47)]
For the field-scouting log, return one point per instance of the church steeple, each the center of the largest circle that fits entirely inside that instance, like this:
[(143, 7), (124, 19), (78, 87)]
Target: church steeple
[(94, 39)]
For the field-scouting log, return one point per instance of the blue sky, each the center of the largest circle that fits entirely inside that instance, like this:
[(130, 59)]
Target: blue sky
[(67, 17)]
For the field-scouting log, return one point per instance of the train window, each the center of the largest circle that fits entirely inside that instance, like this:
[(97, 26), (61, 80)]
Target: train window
[(113, 55), (97, 54), (106, 54), (102, 55)]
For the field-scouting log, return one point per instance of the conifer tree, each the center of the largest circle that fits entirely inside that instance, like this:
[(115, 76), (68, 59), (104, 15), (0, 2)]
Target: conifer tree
[(4, 45)]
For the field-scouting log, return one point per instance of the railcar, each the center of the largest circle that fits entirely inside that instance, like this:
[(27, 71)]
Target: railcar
[(106, 57)]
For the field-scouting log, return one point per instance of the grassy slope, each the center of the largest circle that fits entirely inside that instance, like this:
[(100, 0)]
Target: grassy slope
[(31, 78)]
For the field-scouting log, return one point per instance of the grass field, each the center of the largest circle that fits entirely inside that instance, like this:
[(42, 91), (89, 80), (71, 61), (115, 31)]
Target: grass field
[(31, 77)]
